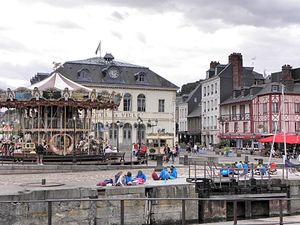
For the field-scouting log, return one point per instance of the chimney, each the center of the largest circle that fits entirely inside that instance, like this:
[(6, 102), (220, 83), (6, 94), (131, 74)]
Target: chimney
[(287, 78), (286, 72), (236, 60), (213, 64)]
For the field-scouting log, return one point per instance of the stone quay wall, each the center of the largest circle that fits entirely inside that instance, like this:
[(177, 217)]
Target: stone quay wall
[(100, 212)]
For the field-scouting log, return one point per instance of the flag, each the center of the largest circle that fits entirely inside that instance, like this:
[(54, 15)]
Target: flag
[(98, 48)]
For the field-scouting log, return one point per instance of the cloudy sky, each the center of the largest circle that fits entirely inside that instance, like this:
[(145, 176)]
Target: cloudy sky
[(175, 38)]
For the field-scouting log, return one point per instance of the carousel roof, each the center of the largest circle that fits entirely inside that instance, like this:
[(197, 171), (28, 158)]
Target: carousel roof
[(58, 81)]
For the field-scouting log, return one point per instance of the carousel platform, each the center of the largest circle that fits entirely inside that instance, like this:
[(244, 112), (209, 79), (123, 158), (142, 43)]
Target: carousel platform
[(101, 159)]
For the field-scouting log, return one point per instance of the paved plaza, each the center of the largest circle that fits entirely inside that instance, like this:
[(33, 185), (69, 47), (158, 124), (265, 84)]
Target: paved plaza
[(13, 178)]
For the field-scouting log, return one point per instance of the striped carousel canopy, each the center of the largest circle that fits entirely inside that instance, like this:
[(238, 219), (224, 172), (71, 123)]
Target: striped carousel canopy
[(58, 81)]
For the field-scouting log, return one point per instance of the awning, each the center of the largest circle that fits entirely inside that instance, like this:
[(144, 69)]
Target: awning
[(279, 138)]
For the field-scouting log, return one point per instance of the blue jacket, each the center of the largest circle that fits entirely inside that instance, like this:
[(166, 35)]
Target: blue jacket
[(141, 175), (246, 167), (224, 172), (164, 174), (173, 173), (128, 179)]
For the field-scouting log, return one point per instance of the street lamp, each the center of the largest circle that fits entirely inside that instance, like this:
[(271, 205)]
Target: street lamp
[(74, 142), (139, 122), (119, 124)]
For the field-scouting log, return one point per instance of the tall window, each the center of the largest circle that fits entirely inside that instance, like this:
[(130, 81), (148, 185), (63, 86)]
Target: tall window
[(161, 105), (141, 103), (265, 108), (275, 126), (226, 127), (212, 105), (216, 88), (113, 132), (204, 91), (297, 107), (242, 112), (215, 124), (297, 126), (127, 102), (275, 108), (236, 128), (141, 133), (212, 89), (127, 129), (233, 112), (245, 127)]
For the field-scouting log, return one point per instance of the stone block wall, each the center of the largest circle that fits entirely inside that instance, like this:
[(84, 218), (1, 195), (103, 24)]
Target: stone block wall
[(100, 212)]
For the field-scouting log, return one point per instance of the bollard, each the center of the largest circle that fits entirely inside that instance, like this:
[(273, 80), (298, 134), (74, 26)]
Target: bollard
[(49, 213), (183, 213), (159, 162), (185, 160), (234, 212), (122, 212)]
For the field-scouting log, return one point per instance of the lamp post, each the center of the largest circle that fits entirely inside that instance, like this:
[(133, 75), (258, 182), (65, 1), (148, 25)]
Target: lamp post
[(74, 142), (139, 122), (118, 126)]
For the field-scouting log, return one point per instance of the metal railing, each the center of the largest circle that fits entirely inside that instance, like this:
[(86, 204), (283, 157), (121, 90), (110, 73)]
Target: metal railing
[(182, 200)]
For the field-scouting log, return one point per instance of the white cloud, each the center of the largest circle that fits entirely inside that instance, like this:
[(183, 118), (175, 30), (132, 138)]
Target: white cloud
[(176, 39)]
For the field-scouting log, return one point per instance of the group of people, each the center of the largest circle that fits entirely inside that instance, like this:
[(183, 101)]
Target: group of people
[(238, 168), (165, 174), (139, 150), (170, 154), (127, 179), (109, 149), (123, 179), (196, 149), (242, 168)]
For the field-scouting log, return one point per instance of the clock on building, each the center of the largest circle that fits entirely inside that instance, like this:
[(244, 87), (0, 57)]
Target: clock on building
[(113, 72)]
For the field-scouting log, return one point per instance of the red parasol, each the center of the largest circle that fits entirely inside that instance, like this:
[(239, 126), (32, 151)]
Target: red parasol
[(279, 138)]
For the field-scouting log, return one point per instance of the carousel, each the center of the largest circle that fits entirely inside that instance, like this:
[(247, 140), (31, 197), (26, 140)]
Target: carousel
[(57, 113)]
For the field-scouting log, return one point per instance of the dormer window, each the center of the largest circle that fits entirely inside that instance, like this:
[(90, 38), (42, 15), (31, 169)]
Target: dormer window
[(140, 77), (275, 88), (84, 75)]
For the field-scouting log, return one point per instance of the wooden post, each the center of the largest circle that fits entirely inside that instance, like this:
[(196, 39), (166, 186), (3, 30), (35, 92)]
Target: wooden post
[(280, 213), (122, 212), (49, 213), (183, 212), (234, 212)]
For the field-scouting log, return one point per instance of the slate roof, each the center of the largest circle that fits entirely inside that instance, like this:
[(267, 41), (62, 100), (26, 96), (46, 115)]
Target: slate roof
[(195, 113), (263, 89), (95, 74)]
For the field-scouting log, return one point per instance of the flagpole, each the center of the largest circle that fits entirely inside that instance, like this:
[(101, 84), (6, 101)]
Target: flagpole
[(98, 49), (284, 127)]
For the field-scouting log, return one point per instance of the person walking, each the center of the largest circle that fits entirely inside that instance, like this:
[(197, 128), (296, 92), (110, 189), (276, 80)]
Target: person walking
[(40, 154)]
